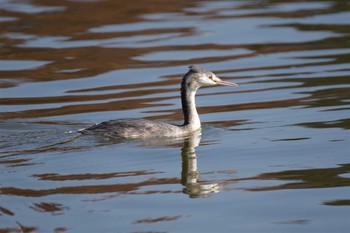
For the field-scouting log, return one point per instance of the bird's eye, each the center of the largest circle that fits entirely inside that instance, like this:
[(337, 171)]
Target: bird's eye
[(211, 77)]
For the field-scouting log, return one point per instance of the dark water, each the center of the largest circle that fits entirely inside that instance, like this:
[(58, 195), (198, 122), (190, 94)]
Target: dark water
[(273, 155)]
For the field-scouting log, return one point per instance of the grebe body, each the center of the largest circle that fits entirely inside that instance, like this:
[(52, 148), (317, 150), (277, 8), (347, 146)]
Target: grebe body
[(143, 128)]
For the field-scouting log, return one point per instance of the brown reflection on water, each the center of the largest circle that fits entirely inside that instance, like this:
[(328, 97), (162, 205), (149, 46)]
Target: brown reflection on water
[(91, 189), (57, 177), (75, 109), (306, 178), (343, 202), (79, 61), (88, 14), (53, 208), (340, 123), (6, 211), (21, 228), (160, 219)]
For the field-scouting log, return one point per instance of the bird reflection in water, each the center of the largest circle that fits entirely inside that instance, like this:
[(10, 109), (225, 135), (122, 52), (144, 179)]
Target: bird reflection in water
[(190, 174)]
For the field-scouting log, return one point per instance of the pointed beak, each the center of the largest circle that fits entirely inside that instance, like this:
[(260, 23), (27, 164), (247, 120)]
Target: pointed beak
[(225, 83)]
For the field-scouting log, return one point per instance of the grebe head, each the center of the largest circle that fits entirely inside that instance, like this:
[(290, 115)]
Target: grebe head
[(198, 77)]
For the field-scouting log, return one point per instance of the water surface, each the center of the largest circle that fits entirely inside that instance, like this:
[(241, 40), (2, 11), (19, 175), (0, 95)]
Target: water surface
[(273, 153)]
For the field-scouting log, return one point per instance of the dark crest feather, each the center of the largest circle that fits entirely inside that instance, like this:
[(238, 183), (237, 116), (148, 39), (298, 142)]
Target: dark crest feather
[(197, 69)]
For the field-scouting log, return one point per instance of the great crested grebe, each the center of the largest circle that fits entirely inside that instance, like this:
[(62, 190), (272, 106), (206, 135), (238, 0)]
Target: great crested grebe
[(142, 128)]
